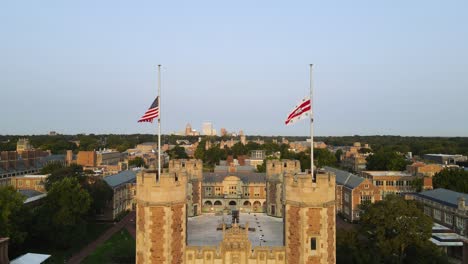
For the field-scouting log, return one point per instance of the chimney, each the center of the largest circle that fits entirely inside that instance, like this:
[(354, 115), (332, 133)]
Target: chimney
[(461, 203), (4, 250)]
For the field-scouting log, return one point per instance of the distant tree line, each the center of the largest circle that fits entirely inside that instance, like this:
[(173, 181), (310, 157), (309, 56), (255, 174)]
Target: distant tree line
[(60, 143)]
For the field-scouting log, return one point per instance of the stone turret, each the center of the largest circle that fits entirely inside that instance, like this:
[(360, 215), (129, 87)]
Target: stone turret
[(194, 171), (309, 218), (275, 174), (161, 217)]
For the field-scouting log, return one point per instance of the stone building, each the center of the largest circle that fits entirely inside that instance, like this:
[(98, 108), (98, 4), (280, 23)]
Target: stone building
[(165, 201), (423, 169), (351, 192), (396, 182)]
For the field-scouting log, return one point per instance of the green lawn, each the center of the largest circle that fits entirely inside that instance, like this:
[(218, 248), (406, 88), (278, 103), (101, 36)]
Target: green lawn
[(93, 231), (120, 248)]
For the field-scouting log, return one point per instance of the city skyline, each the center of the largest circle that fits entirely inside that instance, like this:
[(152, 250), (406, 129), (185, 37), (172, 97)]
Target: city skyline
[(380, 68)]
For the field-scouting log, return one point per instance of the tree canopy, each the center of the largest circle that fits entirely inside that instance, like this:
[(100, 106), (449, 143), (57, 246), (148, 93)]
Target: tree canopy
[(386, 160), (12, 215), (394, 226), (455, 179)]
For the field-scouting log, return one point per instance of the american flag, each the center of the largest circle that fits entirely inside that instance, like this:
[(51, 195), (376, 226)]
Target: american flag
[(152, 112), (299, 112)]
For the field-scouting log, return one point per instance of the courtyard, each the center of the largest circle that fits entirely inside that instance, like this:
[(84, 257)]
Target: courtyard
[(202, 230)]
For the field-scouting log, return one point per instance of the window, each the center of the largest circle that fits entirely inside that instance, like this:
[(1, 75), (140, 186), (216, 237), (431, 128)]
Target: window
[(448, 219), (366, 186), (313, 243), (459, 222), (427, 210), (20, 183), (366, 199), (437, 214), (346, 197), (390, 183), (257, 191), (346, 210), (400, 183), (378, 183)]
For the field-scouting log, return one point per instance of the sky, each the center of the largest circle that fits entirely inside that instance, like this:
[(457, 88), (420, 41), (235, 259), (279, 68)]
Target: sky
[(380, 67)]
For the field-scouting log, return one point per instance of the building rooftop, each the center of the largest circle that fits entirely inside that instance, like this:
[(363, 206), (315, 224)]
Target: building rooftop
[(123, 177), (387, 173), (213, 177), (239, 168), (29, 193), (30, 258), (345, 178), (444, 155), (444, 196)]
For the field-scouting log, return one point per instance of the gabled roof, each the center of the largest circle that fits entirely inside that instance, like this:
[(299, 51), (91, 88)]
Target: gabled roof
[(120, 178), (443, 196), (345, 178)]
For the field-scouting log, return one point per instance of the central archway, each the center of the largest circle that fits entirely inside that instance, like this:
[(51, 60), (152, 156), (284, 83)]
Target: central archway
[(232, 203)]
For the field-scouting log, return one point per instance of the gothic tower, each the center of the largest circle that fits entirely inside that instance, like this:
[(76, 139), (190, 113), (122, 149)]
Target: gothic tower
[(161, 217), (275, 170), (309, 218)]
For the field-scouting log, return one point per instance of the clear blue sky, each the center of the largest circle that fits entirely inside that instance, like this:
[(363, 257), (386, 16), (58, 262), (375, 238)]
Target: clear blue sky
[(382, 67)]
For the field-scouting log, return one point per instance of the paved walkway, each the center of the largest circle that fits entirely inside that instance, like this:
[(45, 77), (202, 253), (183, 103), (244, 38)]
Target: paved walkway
[(128, 222)]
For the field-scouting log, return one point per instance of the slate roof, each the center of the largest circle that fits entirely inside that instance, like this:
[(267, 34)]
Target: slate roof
[(29, 193), (345, 178), (224, 168), (120, 178), (443, 196), (212, 177)]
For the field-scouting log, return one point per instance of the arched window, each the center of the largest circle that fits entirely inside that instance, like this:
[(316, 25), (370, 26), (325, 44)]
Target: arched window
[(232, 203), (218, 203), (208, 203), (247, 203)]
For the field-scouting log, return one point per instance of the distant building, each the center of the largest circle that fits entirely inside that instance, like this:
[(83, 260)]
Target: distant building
[(188, 130), (395, 182), (108, 157), (423, 169), (147, 147), (208, 130), (257, 157), (351, 192), (445, 159), (23, 145), (223, 132), (53, 133), (87, 158), (31, 162), (353, 159), (29, 182)]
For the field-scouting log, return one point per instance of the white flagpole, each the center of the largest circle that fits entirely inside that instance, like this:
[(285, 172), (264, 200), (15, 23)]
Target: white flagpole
[(311, 126), (159, 123)]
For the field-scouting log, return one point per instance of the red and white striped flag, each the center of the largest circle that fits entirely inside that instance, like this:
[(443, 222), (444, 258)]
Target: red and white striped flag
[(301, 111), (152, 112)]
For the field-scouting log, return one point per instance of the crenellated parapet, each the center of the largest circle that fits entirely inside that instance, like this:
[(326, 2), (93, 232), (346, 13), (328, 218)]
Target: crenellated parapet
[(310, 218), (161, 217), (193, 167)]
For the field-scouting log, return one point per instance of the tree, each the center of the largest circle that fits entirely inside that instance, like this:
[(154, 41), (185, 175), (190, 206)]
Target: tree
[(177, 152), (137, 162), (386, 160), (72, 171), (455, 179), (200, 151), (324, 157), (239, 149), (100, 193), (338, 154), (60, 219), (393, 225), (12, 215)]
